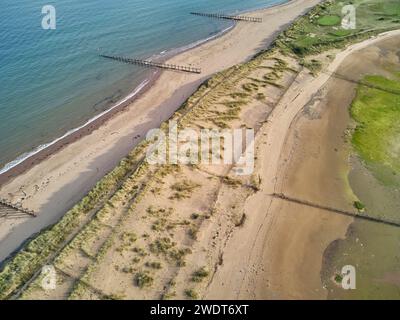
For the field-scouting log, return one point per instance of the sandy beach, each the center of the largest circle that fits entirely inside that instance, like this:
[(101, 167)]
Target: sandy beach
[(55, 184), (278, 253), (202, 232), (193, 231)]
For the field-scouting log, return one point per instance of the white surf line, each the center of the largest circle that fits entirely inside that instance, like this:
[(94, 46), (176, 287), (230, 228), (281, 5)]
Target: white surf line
[(42, 147)]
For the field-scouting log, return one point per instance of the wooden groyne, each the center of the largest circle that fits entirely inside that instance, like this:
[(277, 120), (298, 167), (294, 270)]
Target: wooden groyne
[(225, 16), (357, 215), (146, 63), (17, 208)]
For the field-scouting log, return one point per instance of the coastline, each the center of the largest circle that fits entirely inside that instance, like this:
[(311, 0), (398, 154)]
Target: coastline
[(246, 241), (280, 248), (31, 158), (55, 184)]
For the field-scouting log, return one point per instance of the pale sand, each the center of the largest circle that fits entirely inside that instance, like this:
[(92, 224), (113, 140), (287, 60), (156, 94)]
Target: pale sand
[(279, 257), (278, 252), (58, 182), (114, 271)]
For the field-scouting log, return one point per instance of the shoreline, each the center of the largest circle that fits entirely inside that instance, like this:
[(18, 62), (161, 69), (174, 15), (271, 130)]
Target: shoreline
[(35, 157), (300, 151), (42, 152), (29, 159), (53, 186)]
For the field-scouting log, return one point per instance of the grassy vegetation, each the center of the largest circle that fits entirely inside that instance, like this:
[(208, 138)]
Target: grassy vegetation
[(250, 87), (192, 294), (340, 32), (260, 96), (231, 181), (160, 224), (321, 28), (183, 189), (194, 216), (310, 35), (313, 65), (154, 265), (178, 255), (140, 251), (376, 110), (338, 278), (329, 20), (359, 206), (161, 245), (36, 252), (143, 279), (168, 296), (193, 232), (200, 275)]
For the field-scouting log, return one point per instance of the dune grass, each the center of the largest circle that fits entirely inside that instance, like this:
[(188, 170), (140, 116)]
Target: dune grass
[(35, 254)]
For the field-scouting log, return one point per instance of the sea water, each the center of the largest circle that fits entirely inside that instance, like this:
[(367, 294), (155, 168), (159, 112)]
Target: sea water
[(53, 81)]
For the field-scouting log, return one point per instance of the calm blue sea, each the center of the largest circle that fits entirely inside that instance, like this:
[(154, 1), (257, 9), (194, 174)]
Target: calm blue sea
[(52, 81)]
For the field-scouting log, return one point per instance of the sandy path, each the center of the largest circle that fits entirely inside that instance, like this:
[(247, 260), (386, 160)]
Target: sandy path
[(276, 239), (57, 183)]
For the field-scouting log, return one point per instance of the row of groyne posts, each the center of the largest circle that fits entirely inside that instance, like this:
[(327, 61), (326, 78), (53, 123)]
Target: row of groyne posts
[(7, 208), (147, 63), (152, 64), (358, 215), (228, 17)]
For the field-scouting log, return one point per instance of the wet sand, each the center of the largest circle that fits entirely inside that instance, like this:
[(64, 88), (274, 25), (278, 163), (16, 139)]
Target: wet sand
[(372, 248), (279, 252)]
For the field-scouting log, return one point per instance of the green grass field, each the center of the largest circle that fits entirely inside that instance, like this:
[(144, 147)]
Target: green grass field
[(321, 29), (329, 20), (377, 114)]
